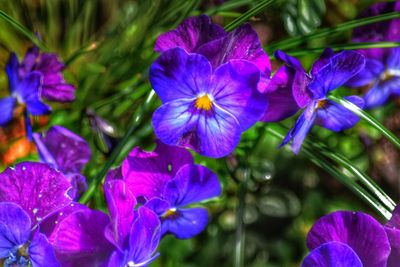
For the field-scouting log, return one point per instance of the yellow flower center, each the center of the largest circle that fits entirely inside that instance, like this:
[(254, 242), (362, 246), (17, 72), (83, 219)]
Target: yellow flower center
[(322, 103), (169, 213), (203, 102)]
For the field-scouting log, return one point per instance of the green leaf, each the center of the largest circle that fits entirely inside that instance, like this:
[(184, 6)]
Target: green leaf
[(302, 16)]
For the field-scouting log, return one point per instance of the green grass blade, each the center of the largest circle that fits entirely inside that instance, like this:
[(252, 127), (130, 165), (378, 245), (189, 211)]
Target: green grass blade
[(240, 226), (248, 14), (19, 27), (368, 118), (298, 40), (226, 6)]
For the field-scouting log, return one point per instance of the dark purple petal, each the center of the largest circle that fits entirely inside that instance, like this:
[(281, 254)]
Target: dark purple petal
[(63, 149), (213, 133), (79, 239), (121, 204), (7, 105), (322, 61), (289, 61), (242, 43), (78, 184), (12, 72), (192, 184), (335, 117), (281, 103), (377, 95), (234, 89), (28, 89), (394, 239), (332, 254), (30, 59), (146, 173), (394, 222), (190, 34), (185, 223), (158, 205), (15, 227), (300, 130), (370, 73), (179, 75), (41, 252), (361, 232), (337, 72), (36, 187), (61, 92), (144, 237)]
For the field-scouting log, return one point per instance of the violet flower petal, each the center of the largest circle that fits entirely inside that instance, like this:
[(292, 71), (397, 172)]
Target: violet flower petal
[(242, 43), (338, 71), (393, 60), (332, 254), (79, 239), (121, 204), (336, 117), (179, 75), (146, 173), (41, 252), (7, 105), (158, 205), (12, 72), (322, 61), (15, 227), (360, 231), (185, 223), (28, 89), (190, 34), (394, 239), (192, 184), (369, 74), (37, 188), (214, 134), (234, 89), (377, 95)]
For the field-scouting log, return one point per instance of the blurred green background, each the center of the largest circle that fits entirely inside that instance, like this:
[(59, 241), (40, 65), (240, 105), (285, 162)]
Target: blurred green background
[(108, 47)]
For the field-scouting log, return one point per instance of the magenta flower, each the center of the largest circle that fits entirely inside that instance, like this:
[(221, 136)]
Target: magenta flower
[(345, 238), (29, 194), (311, 90), (54, 87), (204, 109), (66, 152), (168, 181)]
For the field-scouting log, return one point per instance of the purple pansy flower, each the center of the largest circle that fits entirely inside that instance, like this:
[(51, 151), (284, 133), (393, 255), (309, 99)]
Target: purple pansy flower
[(54, 87), (392, 228), (311, 90), (66, 152), (29, 193), (204, 109), (86, 237), (168, 181), (346, 238), (24, 90)]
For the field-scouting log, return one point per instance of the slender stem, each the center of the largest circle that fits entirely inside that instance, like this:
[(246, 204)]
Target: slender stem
[(318, 159), (371, 120), (19, 27), (295, 41), (240, 231), (226, 6), (115, 153), (248, 14), (338, 47)]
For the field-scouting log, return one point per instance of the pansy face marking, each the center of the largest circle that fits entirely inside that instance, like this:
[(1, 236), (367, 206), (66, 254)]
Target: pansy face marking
[(204, 101)]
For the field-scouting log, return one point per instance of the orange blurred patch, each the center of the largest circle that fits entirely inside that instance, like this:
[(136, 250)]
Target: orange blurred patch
[(19, 149)]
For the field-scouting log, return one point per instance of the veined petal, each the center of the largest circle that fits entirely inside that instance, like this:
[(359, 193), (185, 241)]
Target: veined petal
[(322, 60), (178, 75), (242, 43), (146, 173), (361, 232), (369, 74), (185, 223), (192, 184), (234, 89), (7, 105), (300, 130), (37, 188), (377, 95), (121, 204), (80, 241), (15, 227), (190, 34), (12, 72), (213, 133), (336, 117), (144, 237), (338, 71), (41, 252), (332, 254), (281, 102)]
